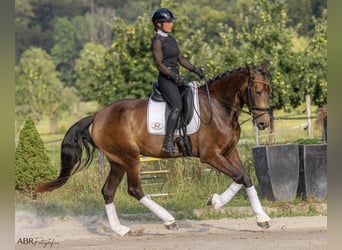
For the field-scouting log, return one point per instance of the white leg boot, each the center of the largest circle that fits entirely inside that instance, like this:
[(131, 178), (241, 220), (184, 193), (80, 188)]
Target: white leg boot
[(261, 217), (114, 222), (162, 213), (219, 201)]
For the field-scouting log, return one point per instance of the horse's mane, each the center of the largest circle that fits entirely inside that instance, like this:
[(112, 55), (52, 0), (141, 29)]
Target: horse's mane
[(224, 74), (240, 69), (209, 81)]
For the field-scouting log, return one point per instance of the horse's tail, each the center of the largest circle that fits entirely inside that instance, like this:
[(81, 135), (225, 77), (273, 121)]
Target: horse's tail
[(76, 141)]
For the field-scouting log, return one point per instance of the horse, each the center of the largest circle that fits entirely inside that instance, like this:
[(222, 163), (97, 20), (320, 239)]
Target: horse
[(119, 131)]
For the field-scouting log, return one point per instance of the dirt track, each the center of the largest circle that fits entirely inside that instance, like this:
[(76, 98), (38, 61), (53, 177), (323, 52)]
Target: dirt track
[(84, 232)]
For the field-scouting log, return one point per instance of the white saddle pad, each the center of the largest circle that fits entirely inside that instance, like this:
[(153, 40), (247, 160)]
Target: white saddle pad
[(156, 123)]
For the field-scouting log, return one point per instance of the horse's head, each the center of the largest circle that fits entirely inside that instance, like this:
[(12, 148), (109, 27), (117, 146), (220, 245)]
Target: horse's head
[(257, 96)]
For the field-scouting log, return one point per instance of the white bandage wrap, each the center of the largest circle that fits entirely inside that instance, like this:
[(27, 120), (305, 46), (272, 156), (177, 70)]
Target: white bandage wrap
[(261, 216), (220, 200), (114, 222), (158, 210)]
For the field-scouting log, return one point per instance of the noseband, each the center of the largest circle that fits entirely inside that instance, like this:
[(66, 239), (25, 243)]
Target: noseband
[(251, 102)]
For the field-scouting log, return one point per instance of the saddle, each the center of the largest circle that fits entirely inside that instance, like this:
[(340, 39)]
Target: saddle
[(187, 100), (188, 123)]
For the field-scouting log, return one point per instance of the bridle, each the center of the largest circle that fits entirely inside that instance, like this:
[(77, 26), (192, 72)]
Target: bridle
[(250, 102), (250, 99)]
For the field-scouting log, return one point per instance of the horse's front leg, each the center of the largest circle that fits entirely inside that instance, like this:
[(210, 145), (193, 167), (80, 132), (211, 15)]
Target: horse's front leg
[(219, 162), (231, 165), (261, 217), (135, 190)]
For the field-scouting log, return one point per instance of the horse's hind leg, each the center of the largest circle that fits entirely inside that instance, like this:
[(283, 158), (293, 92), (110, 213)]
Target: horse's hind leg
[(135, 190), (108, 191)]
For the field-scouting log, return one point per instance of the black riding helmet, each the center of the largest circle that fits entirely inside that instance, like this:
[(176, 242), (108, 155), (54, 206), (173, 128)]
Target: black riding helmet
[(162, 15)]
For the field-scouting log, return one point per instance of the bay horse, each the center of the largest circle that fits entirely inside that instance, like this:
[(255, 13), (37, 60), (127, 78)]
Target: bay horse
[(119, 130)]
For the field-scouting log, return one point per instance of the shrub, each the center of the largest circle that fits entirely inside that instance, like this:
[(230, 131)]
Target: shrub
[(307, 141), (32, 164)]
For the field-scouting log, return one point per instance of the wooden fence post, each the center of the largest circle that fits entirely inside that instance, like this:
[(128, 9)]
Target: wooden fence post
[(308, 113), (257, 140), (271, 138)]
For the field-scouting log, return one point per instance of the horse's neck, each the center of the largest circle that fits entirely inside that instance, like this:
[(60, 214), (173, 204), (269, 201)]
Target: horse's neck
[(228, 88)]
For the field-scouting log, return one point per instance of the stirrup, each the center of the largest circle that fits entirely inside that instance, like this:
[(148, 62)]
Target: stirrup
[(169, 145)]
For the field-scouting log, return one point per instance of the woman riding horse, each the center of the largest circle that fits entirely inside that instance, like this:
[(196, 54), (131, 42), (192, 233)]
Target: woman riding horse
[(120, 132), (166, 56)]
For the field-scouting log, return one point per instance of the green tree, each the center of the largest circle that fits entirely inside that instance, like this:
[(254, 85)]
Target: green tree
[(32, 164), (94, 27), (262, 32), (39, 30), (266, 36), (91, 59), (210, 45), (318, 7), (64, 50), (317, 62), (128, 68), (23, 16), (38, 90), (300, 15)]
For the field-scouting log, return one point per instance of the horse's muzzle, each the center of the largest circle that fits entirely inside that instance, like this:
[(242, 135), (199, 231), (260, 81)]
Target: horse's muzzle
[(262, 125), (261, 120)]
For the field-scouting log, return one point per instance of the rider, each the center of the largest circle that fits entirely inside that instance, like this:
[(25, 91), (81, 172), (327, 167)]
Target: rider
[(166, 56)]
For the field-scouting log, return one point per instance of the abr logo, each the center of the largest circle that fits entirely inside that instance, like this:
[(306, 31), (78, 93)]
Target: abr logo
[(25, 241)]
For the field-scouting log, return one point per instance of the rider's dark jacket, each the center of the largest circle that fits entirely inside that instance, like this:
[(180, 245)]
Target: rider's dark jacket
[(167, 55)]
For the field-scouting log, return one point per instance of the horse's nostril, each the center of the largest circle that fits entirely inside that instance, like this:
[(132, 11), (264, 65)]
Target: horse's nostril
[(262, 125)]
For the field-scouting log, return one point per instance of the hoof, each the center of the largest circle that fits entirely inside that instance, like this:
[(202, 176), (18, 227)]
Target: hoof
[(215, 201), (263, 225), (122, 230), (135, 233), (210, 200), (172, 226)]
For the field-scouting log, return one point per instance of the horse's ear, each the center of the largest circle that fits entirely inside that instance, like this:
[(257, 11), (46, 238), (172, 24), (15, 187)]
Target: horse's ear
[(265, 65)]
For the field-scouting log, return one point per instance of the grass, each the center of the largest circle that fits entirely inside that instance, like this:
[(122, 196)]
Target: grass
[(188, 184)]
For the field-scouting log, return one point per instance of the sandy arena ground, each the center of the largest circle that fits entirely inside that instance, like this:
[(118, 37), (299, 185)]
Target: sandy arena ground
[(92, 232)]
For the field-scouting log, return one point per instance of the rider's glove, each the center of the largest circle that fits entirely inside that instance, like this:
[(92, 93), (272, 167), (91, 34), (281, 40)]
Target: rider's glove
[(199, 72), (179, 80)]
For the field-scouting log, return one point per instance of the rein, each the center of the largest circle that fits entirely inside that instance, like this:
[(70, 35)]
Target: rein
[(250, 103), (210, 107)]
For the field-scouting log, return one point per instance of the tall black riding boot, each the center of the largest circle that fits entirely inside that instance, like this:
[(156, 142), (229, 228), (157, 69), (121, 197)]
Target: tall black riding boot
[(169, 142)]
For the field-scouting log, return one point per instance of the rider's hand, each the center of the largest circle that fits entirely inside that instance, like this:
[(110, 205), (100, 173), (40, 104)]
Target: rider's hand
[(179, 80), (199, 72)]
